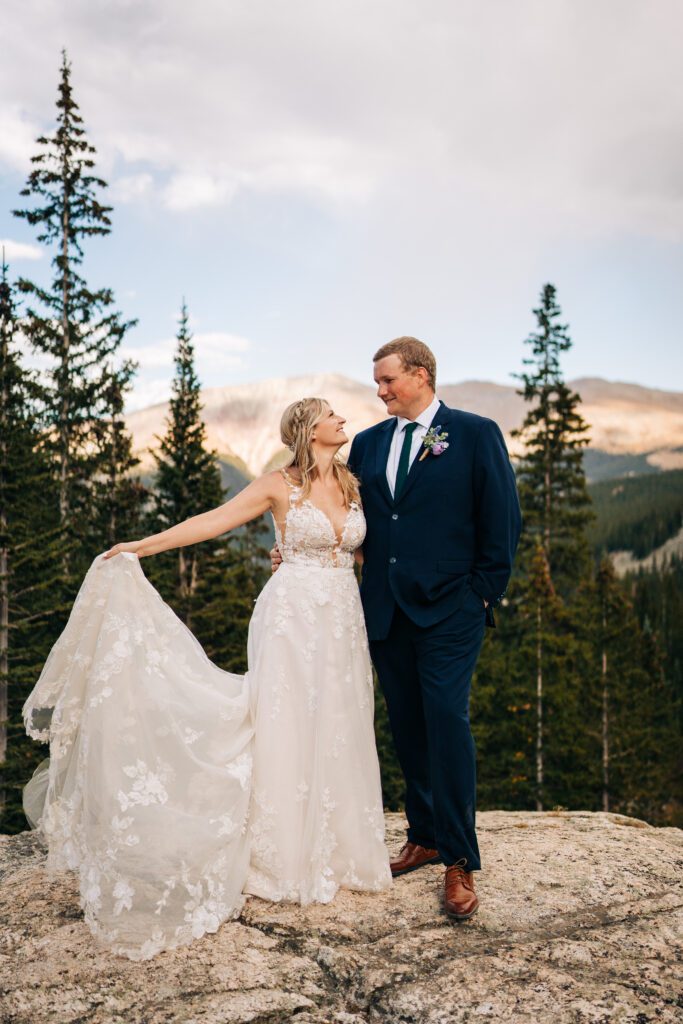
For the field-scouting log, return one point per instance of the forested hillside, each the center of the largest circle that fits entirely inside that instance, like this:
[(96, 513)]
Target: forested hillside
[(636, 513)]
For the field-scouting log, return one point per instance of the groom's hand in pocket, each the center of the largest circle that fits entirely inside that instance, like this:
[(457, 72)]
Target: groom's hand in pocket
[(275, 559)]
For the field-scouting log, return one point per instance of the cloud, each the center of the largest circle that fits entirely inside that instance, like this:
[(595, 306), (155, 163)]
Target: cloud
[(187, 191), (567, 112), (215, 347), (17, 137), (131, 188), (15, 251), (217, 355), (146, 393)]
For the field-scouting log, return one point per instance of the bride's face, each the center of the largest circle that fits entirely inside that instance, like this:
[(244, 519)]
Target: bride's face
[(329, 430)]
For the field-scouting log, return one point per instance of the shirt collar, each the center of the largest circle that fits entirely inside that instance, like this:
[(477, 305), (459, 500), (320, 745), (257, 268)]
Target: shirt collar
[(424, 419)]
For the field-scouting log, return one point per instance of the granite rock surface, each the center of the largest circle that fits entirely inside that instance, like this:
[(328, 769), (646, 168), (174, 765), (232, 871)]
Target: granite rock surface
[(581, 920)]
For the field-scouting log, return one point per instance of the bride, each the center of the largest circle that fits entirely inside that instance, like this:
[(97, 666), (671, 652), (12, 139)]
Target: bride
[(174, 788)]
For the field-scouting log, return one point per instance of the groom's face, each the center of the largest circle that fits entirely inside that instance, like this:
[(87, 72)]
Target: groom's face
[(402, 391)]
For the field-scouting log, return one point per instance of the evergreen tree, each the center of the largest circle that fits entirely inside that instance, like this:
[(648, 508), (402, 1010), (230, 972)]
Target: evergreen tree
[(550, 475), (212, 586), (31, 583), (652, 743), (75, 327), (554, 553), (536, 654), (118, 497), (187, 481), (514, 702), (232, 579)]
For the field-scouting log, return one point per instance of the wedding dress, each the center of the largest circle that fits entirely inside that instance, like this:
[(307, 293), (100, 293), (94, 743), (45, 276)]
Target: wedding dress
[(174, 788)]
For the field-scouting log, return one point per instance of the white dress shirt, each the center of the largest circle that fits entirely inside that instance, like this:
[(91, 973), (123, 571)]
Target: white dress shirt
[(424, 421)]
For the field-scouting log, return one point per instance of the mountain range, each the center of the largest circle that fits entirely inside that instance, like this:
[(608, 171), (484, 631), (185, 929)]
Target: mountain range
[(633, 429)]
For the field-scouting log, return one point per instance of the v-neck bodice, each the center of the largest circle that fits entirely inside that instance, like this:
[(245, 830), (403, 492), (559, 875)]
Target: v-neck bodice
[(308, 537)]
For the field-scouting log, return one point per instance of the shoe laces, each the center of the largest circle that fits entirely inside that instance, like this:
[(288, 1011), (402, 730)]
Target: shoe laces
[(457, 871)]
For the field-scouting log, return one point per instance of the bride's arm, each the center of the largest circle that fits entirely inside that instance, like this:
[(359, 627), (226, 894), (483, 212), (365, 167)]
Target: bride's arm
[(258, 497)]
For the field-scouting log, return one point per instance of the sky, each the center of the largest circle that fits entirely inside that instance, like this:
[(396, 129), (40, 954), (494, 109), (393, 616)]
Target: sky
[(317, 177)]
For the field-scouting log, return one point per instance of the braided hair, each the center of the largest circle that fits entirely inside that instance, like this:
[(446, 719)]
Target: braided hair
[(296, 430)]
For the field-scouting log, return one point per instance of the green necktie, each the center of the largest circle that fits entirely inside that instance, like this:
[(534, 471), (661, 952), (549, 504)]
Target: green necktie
[(404, 461)]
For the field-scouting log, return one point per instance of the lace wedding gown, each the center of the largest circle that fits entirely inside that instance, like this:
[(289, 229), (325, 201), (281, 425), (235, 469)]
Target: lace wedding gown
[(173, 788)]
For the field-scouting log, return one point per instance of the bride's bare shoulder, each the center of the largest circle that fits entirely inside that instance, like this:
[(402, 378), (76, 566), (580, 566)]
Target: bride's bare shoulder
[(277, 480)]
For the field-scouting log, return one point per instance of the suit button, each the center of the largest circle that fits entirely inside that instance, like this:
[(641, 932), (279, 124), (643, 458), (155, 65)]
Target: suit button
[(394, 516), (392, 560)]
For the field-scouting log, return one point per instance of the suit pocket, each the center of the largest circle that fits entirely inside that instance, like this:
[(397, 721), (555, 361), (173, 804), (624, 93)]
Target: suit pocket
[(476, 599), (454, 567)]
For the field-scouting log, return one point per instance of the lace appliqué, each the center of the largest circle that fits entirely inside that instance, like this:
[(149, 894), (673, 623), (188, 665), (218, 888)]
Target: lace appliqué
[(309, 537)]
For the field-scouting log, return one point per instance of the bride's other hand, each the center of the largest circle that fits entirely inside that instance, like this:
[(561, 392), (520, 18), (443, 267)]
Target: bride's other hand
[(132, 546), (275, 559)]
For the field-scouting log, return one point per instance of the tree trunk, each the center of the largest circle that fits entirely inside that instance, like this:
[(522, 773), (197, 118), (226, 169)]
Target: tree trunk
[(113, 481), (605, 716), (539, 706), (4, 588), (64, 432), (182, 574), (4, 661)]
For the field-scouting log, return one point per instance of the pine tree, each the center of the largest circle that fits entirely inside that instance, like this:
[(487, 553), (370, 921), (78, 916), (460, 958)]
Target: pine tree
[(233, 577), (31, 583), (118, 497), (632, 712), (76, 327), (187, 481), (554, 552), (550, 475), (542, 592), (613, 636), (513, 704)]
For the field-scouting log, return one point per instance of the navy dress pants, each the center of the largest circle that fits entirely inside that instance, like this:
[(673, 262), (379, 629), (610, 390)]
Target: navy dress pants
[(425, 675)]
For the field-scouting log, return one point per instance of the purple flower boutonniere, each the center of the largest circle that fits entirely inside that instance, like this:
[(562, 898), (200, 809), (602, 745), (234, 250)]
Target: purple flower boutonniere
[(434, 442)]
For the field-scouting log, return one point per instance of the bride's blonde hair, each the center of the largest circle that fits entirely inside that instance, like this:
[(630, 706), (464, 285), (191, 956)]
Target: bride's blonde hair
[(296, 430)]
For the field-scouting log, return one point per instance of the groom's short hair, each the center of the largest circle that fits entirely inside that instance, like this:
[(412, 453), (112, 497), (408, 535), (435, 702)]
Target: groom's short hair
[(413, 353)]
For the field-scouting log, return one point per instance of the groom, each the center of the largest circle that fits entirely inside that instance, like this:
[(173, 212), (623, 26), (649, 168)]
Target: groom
[(443, 522)]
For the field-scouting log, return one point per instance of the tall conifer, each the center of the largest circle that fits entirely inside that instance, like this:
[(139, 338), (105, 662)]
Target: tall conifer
[(187, 480), (233, 577), (550, 473), (74, 326), (553, 494), (628, 710), (31, 583), (118, 496)]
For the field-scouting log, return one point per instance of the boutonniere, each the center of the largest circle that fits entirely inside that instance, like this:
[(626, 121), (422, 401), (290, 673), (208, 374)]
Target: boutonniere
[(434, 442)]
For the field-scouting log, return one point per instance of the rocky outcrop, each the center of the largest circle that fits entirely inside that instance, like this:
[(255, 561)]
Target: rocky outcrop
[(580, 921)]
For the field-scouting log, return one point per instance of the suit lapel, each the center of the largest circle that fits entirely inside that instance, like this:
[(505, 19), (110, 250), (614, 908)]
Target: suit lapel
[(382, 455), (417, 467)]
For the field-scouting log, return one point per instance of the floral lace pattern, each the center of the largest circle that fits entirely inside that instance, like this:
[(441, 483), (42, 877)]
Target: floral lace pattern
[(174, 788), (147, 789), (309, 537), (315, 765)]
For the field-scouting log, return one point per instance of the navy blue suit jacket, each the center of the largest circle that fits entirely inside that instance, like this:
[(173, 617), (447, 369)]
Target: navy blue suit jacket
[(456, 522)]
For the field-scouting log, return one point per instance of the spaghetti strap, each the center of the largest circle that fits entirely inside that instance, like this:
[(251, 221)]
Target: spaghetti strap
[(291, 483)]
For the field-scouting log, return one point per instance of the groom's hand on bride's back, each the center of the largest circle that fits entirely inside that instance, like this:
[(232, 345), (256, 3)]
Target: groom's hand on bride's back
[(275, 558)]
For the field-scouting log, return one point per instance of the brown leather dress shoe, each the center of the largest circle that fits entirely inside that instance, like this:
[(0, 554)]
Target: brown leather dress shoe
[(412, 857), (460, 900)]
